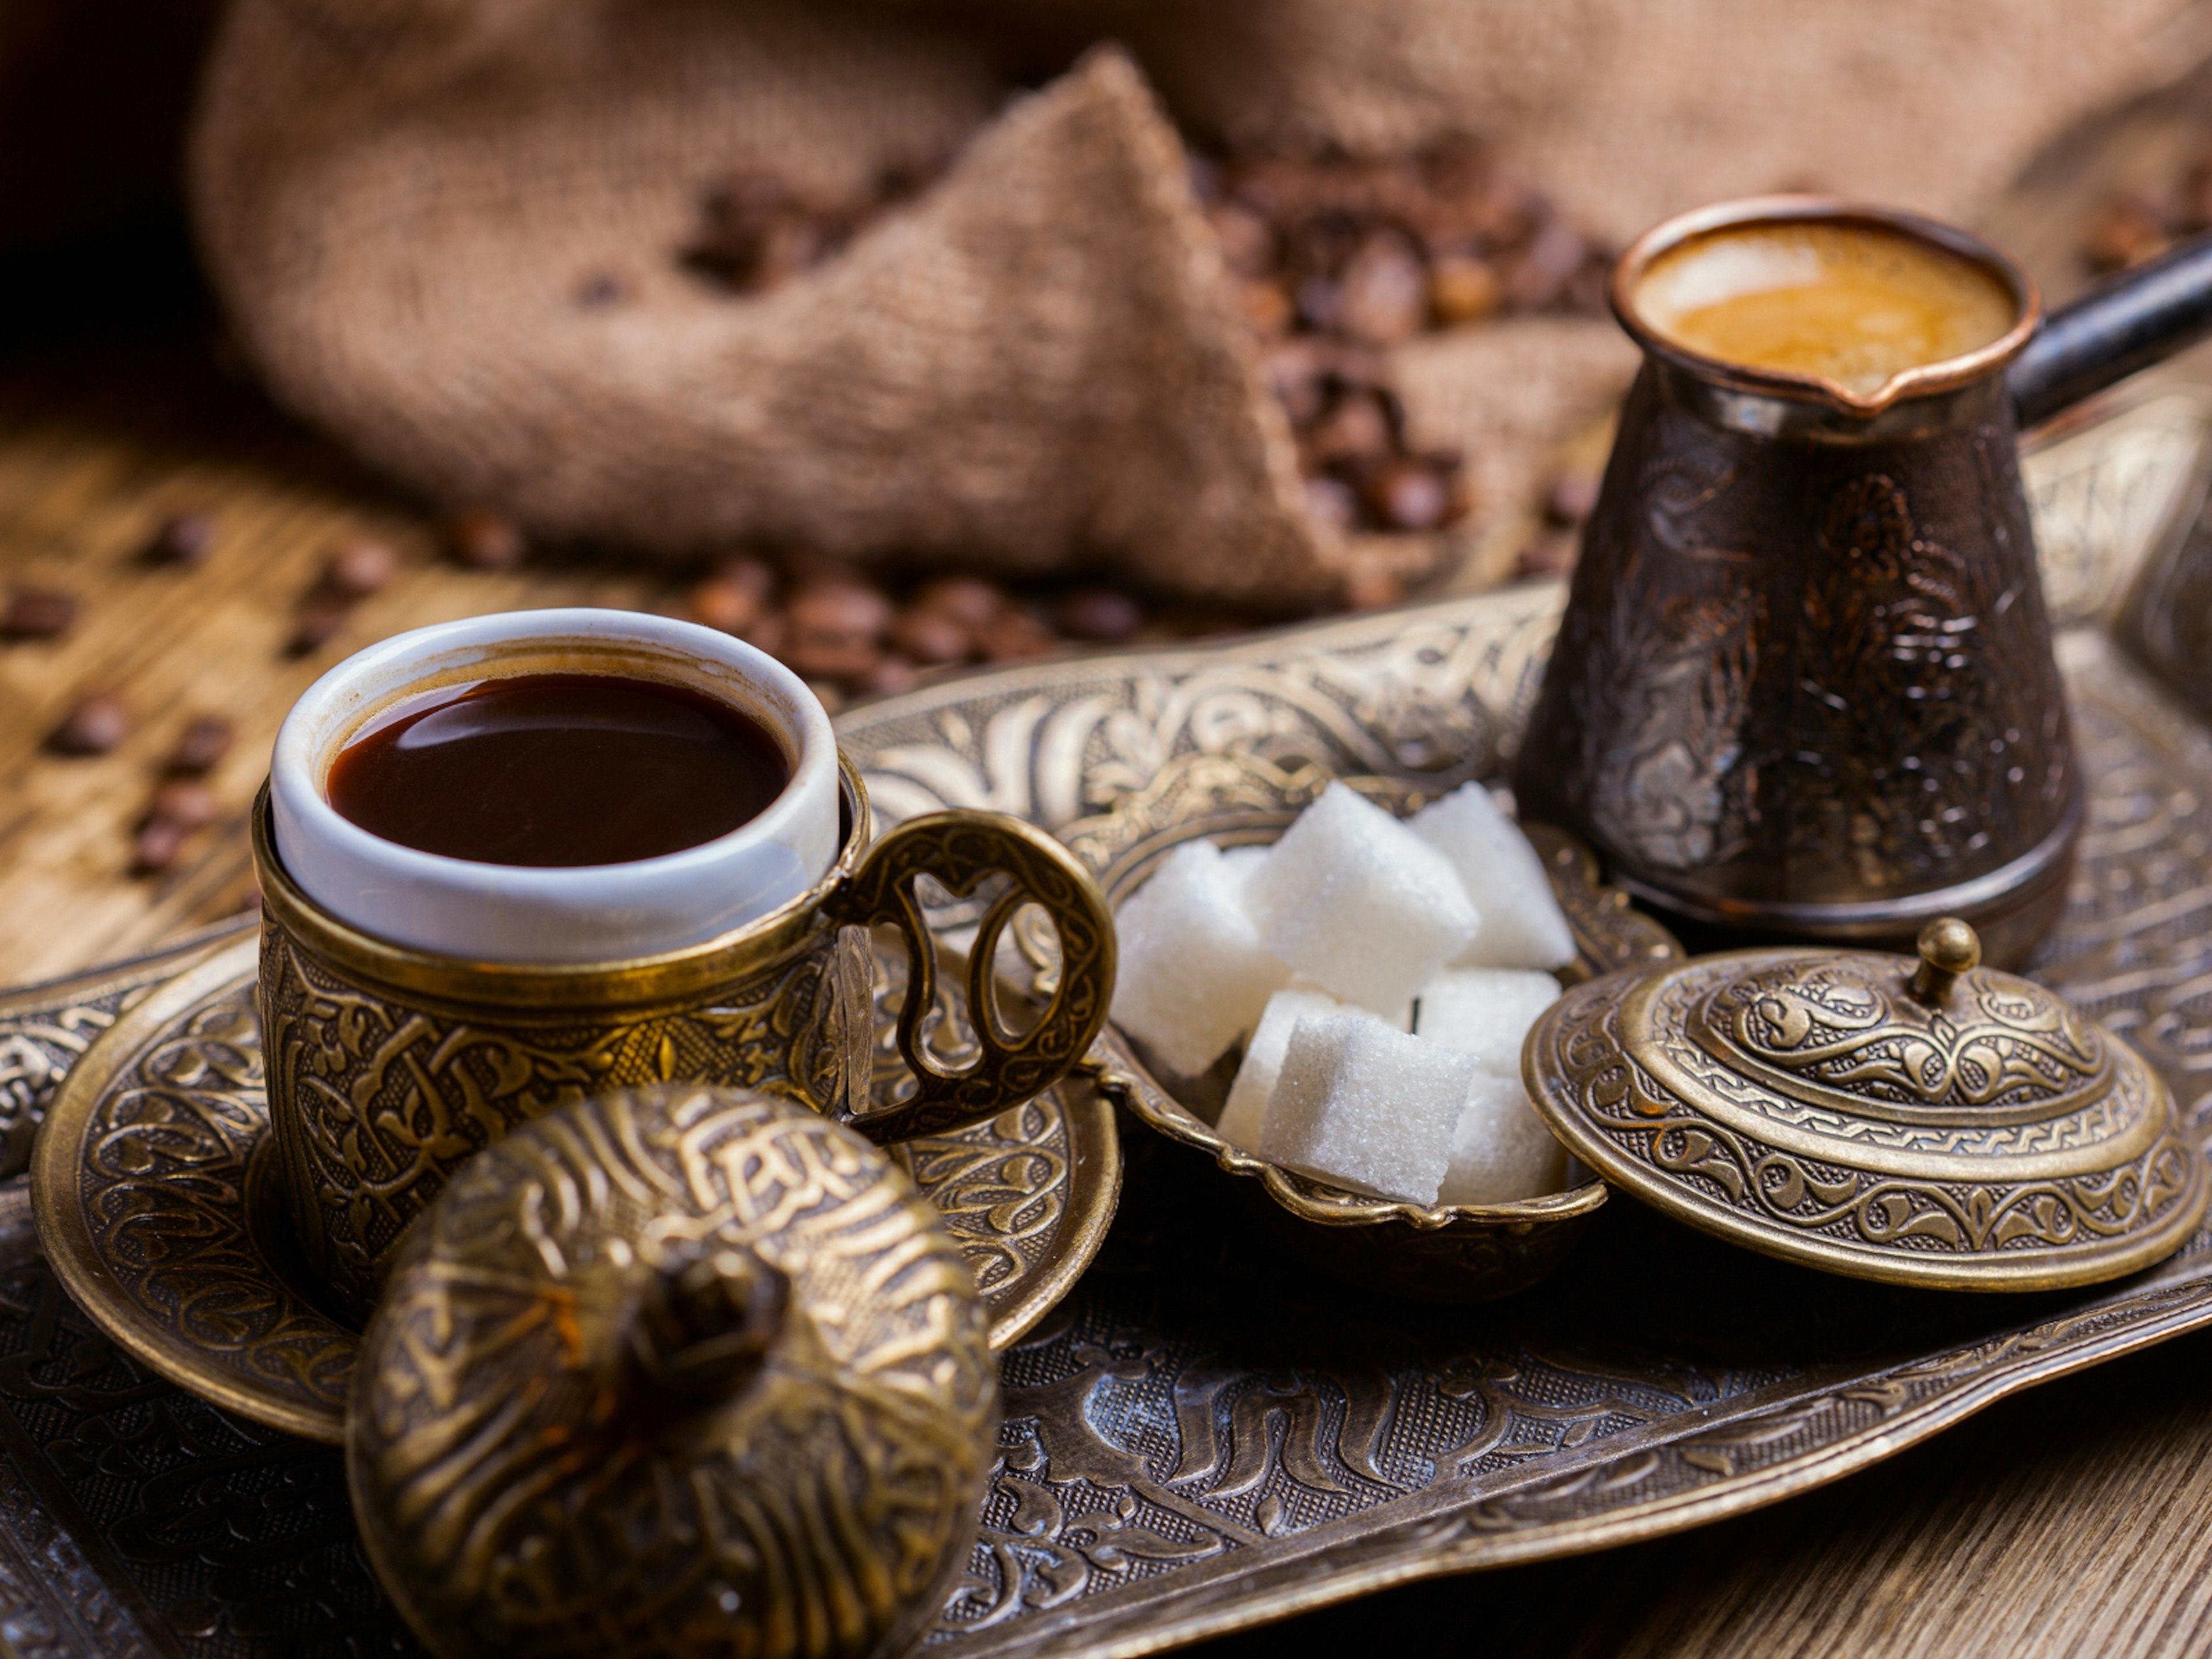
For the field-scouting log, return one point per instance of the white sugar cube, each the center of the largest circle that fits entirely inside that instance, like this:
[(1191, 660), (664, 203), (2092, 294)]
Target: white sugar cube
[(1362, 1106), (1243, 863), (1194, 974), (1522, 926), (1246, 1108), (1485, 1012), (1358, 902), (1501, 1151)]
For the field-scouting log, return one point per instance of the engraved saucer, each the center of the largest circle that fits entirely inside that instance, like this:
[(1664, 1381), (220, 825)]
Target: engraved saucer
[(159, 1212)]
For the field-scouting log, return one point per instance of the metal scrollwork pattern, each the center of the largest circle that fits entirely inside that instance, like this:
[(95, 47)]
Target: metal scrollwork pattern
[(379, 1097), (523, 1477)]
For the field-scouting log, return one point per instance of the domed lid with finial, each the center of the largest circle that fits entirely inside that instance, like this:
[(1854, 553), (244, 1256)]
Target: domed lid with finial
[(1928, 1121), (675, 1371)]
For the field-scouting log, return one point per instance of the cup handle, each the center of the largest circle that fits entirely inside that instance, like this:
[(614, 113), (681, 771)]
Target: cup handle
[(960, 848)]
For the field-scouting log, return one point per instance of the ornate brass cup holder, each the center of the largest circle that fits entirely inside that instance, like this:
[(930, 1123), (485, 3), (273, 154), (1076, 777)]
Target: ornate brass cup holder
[(1431, 1253), (153, 1190)]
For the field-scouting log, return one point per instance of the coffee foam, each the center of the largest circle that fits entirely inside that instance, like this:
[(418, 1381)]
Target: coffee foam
[(1854, 304)]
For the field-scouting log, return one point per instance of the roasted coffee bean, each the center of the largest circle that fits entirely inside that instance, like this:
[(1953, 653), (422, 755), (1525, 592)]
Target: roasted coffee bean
[(816, 655), (186, 801), (183, 538), (1012, 634), (1248, 241), (37, 613), (1369, 584), (1096, 613), (1268, 308), (1316, 302), (1406, 495), (1383, 297), (360, 568), (728, 605), (484, 541), (969, 600), (94, 726), (321, 614), (204, 743), (156, 846), (1549, 554), (1463, 289), (1571, 498), (1333, 501), (1298, 370), (931, 635), (1356, 429), (891, 675), (851, 609), (2125, 232), (755, 575), (767, 632)]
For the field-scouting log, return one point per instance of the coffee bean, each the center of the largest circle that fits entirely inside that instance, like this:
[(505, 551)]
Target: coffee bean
[(1549, 554), (204, 743), (1096, 613), (891, 675), (1406, 495), (727, 605), (94, 726), (1248, 241), (852, 609), (767, 632), (755, 575), (1317, 304), (186, 801), (1571, 498), (2125, 232), (1268, 308), (1463, 289), (817, 656), (931, 635), (1013, 635), (360, 568), (183, 539), (1369, 584), (969, 600), (321, 614), (1383, 297), (37, 613), (156, 846), (1356, 429), (1333, 501), (1297, 370), (484, 541)]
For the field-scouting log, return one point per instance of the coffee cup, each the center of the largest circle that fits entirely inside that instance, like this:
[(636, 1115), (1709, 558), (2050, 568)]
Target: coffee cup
[(415, 1005)]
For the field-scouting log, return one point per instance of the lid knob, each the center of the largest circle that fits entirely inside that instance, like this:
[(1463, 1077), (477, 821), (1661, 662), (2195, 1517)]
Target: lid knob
[(1949, 948)]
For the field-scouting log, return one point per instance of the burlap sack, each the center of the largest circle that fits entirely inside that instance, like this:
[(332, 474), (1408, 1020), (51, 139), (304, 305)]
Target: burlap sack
[(1626, 111), (1033, 363)]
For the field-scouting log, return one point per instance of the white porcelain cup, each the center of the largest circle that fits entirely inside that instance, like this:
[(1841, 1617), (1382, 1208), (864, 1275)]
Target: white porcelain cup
[(512, 914)]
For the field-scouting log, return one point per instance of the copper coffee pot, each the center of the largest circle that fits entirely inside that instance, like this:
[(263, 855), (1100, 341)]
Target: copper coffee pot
[(1804, 685)]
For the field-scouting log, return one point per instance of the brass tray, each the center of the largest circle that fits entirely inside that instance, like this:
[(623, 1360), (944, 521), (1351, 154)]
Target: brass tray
[(153, 1190), (1200, 1437)]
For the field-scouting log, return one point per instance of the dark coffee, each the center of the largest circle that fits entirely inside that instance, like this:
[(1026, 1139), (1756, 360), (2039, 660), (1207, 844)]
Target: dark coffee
[(559, 770)]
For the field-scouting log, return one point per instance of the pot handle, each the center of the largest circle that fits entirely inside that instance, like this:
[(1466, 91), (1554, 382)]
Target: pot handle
[(2123, 325), (960, 848)]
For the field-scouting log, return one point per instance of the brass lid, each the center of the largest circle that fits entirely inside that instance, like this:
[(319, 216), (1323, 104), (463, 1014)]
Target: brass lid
[(1932, 1122), (674, 1371)]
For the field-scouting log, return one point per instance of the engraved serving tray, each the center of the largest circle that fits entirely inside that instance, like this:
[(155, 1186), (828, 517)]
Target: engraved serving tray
[(1202, 1436), (157, 1203)]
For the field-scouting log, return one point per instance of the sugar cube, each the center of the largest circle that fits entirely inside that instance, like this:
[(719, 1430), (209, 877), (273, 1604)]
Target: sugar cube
[(1194, 973), (1243, 863), (1358, 902), (1362, 1106), (1246, 1108), (1522, 926), (1501, 1151), (1485, 1012)]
